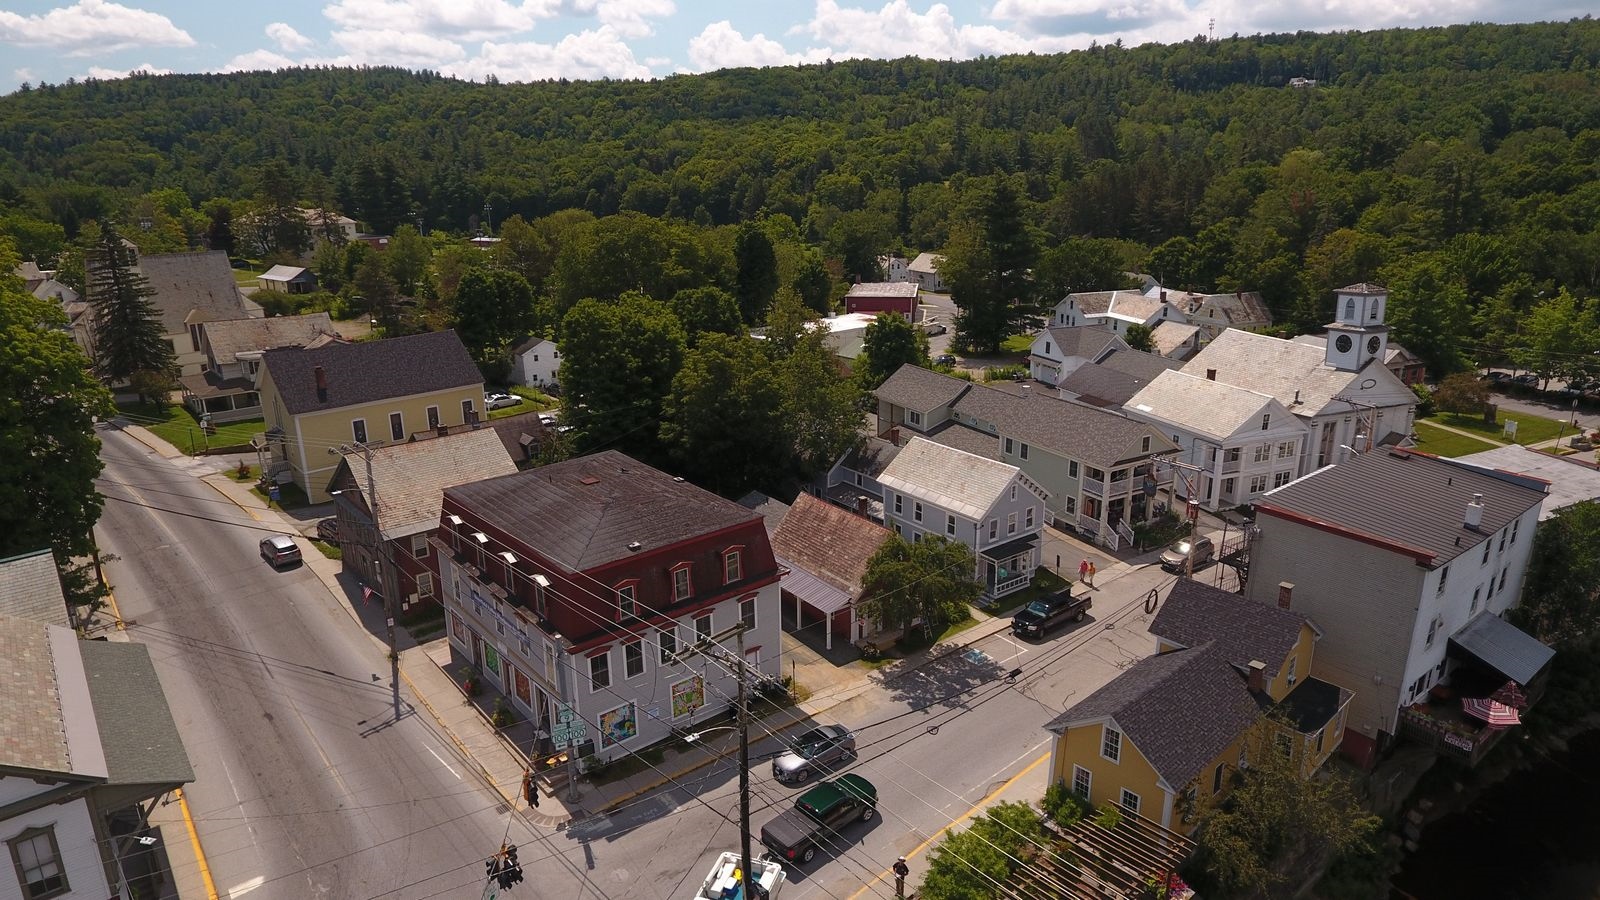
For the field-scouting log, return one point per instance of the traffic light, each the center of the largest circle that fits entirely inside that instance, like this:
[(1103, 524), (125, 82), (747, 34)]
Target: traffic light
[(491, 866), (513, 872)]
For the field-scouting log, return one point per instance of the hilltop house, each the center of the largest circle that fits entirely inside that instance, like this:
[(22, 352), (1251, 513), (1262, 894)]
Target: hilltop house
[(824, 550), (383, 539), (190, 290), (372, 393), (1342, 392), (1245, 443), (576, 586), (225, 386), (1407, 563), (992, 507), (1166, 738)]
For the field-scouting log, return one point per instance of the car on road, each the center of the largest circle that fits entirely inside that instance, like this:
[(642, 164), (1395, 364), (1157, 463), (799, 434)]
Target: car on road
[(1495, 377), (816, 752), (1176, 557), (280, 550), (328, 530), (931, 327), (944, 359), (501, 400), (1526, 379), (548, 420), (817, 817), (1037, 618)]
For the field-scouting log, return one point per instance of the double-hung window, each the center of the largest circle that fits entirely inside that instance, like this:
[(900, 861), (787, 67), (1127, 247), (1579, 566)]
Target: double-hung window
[(633, 659), (358, 430), (1111, 744), (681, 587), (600, 672), (38, 863), (627, 599), (949, 524), (667, 641), (397, 426), (732, 568), (747, 612)]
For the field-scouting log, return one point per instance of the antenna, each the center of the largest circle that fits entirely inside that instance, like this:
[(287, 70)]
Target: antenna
[(1211, 29)]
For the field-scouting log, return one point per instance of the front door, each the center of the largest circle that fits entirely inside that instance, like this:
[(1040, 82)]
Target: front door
[(988, 568), (477, 652)]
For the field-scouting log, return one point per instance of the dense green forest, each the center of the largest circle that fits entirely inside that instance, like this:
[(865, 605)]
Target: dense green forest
[(1459, 165)]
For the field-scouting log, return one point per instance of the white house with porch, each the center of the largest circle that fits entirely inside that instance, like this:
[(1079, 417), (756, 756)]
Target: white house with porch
[(992, 507)]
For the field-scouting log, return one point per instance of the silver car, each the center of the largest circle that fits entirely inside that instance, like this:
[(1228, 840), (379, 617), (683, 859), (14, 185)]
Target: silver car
[(816, 752), (279, 550)]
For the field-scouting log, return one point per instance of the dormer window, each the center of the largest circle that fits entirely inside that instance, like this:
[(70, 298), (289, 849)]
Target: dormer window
[(732, 566), (628, 598), (681, 588)]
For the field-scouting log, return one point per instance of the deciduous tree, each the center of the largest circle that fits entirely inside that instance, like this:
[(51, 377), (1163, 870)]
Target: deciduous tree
[(493, 310), (618, 360), (890, 342), (707, 310), (933, 580), (1140, 337), (407, 258), (723, 419), (1461, 393), (1561, 593), (821, 405)]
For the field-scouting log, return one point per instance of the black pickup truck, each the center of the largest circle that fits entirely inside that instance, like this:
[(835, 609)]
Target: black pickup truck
[(1045, 613), (817, 817)]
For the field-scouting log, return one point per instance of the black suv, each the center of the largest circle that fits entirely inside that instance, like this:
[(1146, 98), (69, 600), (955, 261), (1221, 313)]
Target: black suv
[(1049, 611)]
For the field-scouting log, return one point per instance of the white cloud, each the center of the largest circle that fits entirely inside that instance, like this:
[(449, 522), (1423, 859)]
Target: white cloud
[(22, 74), (598, 53), (721, 46), (259, 61), (465, 20), (393, 47), (628, 18), (897, 30), (105, 74), (92, 26), (287, 39)]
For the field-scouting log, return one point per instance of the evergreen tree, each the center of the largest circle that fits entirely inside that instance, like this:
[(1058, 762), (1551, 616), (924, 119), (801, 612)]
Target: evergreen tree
[(129, 338), (756, 271), (813, 283), (380, 298), (988, 267)]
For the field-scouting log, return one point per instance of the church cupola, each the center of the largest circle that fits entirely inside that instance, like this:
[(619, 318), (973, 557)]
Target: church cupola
[(1357, 335)]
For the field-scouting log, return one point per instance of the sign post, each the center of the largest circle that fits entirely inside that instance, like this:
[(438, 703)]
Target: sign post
[(569, 731)]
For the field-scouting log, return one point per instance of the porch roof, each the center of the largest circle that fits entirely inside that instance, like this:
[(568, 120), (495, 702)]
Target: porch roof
[(1503, 647), (1010, 548), (820, 595), (1313, 703), (206, 385)]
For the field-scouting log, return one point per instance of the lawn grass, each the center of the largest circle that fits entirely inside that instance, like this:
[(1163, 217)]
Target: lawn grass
[(1044, 582), (246, 277), (289, 496), (1017, 343), (1531, 429), (533, 400), (1435, 440), (177, 426)]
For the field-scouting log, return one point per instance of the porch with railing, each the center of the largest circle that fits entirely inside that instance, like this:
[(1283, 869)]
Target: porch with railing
[(1443, 727)]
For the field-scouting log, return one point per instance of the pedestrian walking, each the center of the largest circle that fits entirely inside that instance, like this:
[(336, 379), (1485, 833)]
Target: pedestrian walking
[(1083, 571), (1091, 574)]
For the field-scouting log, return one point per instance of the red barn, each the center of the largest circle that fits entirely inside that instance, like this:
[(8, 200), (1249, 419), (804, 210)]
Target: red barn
[(883, 296)]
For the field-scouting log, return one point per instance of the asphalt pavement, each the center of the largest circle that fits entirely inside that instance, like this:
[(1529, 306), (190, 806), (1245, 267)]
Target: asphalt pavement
[(307, 785)]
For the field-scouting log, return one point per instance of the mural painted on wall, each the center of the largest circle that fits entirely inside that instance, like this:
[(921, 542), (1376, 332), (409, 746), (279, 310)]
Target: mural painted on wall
[(618, 725), (688, 695), (491, 659)]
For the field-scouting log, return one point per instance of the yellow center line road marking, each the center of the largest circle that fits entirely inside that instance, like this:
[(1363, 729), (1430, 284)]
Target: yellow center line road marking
[(194, 838), (888, 873)]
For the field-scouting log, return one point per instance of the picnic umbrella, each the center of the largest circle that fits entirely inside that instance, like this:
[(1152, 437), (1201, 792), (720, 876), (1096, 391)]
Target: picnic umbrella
[(1497, 715), (1511, 696)]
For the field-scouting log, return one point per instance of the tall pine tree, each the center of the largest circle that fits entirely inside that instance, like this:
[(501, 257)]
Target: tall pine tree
[(757, 271), (130, 343), (989, 266)]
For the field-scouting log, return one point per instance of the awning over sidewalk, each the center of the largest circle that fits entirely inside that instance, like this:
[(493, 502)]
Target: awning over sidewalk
[(1010, 548), (820, 595), (1503, 647)]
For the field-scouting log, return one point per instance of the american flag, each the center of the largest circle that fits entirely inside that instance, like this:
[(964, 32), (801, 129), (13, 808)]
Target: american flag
[(366, 594)]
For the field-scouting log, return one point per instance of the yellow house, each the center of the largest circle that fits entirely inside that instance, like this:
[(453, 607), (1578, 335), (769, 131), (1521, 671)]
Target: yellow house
[(1163, 738), (372, 393)]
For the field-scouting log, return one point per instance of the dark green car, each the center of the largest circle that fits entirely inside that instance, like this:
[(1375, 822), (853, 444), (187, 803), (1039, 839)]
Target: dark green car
[(817, 817)]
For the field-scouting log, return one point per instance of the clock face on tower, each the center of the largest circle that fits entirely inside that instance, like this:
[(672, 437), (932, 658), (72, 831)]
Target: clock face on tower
[(1373, 344), (1343, 342)]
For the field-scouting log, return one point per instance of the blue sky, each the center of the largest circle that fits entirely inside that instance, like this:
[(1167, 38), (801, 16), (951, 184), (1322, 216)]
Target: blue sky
[(520, 40)]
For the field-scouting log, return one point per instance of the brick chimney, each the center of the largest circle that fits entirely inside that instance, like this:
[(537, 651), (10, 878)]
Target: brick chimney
[(1163, 295), (1211, 374), (863, 507), (1285, 594), (894, 435), (322, 383), (1258, 677)]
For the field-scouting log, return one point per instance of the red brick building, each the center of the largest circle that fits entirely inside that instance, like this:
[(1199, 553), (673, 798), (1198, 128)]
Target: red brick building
[(881, 297)]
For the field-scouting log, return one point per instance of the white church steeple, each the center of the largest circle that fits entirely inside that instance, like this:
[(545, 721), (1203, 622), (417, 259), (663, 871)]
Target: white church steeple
[(1357, 334)]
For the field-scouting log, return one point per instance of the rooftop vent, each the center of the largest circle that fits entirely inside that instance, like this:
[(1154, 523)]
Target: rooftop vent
[(1474, 518), (634, 546), (1211, 374), (588, 479), (677, 479)]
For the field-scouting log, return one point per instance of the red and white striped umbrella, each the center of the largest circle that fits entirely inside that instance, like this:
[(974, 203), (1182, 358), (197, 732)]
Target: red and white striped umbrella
[(1497, 715), (1510, 695)]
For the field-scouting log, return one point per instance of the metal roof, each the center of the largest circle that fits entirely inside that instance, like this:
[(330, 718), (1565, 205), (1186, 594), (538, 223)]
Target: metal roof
[(1503, 646), (1571, 481), (822, 596), (899, 289)]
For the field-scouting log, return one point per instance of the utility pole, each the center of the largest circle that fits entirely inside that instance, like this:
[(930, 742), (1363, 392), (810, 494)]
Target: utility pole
[(388, 573), (1366, 416), (1191, 510), (703, 647)]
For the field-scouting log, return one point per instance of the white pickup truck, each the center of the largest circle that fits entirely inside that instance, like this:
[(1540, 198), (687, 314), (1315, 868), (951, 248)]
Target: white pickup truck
[(724, 882)]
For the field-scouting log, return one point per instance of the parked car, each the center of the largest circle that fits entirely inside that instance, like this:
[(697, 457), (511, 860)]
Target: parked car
[(279, 550), (1176, 557), (501, 400), (816, 752), (931, 327), (548, 420), (1526, 379), (817, 817), (1045, 613), (328, 530), (1495, 377), (944, 359)]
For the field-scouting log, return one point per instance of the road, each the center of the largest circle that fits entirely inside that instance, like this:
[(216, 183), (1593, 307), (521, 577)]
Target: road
[(306, 785), (932, 752)]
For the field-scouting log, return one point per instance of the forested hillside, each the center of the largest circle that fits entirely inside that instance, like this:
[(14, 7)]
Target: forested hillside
[(1459, 163)]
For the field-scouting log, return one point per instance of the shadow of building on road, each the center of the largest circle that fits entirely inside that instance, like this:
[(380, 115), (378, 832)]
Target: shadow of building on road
[(950, 680)]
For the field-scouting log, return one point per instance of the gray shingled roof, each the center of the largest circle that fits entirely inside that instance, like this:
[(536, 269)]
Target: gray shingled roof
[(137, 732), (30, 588), (1208, 408), (1196, 613), (925, 262), (966, 438), (32, 734), (1087, 341), (1363, 287), (229, 337), (772, 510), (1078, 430), (1286, 370), (1100, 386), (870, 457), (1169, 335), (371, 370), (916, 388), (965, 483), (412, 476), (192, 287), (1180, 709), (1410, 499), (582, 525), (1139, 364)]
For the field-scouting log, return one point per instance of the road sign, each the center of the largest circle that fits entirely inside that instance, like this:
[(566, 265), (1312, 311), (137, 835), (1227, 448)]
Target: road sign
[(564, 735), (565, 715), (491, 890)]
